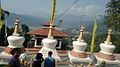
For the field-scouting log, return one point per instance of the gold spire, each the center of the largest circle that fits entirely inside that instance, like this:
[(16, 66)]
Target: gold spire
[(16, 30), (75, 65), (52, 19), (25, 63), (31, 59), (81, 65), (80, 38), (22, 61), (108, 40), (50, 31), (90, 64)]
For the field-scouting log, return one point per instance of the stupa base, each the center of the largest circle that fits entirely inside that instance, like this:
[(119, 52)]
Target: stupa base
[(5, 57), (106, 56), (78, 61), (45, 51), (8, 50), (109, 63), (78, 54)]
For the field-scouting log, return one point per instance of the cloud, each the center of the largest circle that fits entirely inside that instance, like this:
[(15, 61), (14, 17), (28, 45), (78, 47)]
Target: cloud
[(90, 10), (42, 11)]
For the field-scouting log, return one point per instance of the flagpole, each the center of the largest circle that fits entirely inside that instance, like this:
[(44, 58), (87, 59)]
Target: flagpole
[(52, 17), (93, 38)]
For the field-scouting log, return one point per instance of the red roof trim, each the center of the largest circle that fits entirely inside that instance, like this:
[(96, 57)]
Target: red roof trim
[(47, 24), (44, 31)]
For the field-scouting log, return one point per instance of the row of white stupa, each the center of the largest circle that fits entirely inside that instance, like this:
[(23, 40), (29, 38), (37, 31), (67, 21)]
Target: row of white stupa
[(77, 55)]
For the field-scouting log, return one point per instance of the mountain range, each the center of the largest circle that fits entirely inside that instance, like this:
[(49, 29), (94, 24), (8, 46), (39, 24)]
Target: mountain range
[(24, 19), (35, 22)]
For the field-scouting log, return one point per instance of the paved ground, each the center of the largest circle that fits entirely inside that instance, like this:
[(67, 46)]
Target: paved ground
[(62, 53), (64, 57)]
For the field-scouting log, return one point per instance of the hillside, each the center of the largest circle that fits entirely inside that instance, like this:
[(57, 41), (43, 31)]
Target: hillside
[(34, 22), (24, 19)]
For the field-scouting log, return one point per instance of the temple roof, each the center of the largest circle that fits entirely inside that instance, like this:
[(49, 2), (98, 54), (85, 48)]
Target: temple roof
[(44, 32), (47, 24)]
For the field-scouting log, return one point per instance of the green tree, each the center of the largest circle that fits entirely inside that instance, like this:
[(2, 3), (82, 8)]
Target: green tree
[(112, 15), (2, 16), (25, 29), (116, 42), (112, 19), (67, 43), (4, 32)]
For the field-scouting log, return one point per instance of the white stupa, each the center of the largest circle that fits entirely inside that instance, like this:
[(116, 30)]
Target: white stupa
[(78, 54), (106, 52), (15, 41), (49, 44)]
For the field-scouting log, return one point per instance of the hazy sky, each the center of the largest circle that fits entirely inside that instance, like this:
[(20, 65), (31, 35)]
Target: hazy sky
[(42, 8)]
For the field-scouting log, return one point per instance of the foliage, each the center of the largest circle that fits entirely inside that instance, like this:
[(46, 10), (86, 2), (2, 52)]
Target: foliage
[(3, 65), (8, 31), (4, 32), (116, 42), (100, 38), (27, 39), (2, 16), (67, 42), (112, 16), (25, 29), (87, 38)]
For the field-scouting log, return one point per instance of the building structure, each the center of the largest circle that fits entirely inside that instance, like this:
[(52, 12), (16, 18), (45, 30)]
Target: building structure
[(41, 33)]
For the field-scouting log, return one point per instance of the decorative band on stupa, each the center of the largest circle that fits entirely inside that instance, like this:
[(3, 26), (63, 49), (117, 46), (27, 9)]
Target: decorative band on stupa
[(15, 40), (78, 54), (79, 46), (107, 48), (8, 50), (105, 56)]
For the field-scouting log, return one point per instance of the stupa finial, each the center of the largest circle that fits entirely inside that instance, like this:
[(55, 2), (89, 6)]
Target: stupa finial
[(50, 31), (16, 30), (80, 38), (81, 65), (108, 40), (52, 18), (90, 64)]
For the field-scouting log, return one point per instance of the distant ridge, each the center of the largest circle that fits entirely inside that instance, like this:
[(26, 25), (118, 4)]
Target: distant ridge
[(24, 19), (35, 23)]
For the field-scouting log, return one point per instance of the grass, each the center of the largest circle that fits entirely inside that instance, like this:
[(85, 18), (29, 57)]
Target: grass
[(3, 65)]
